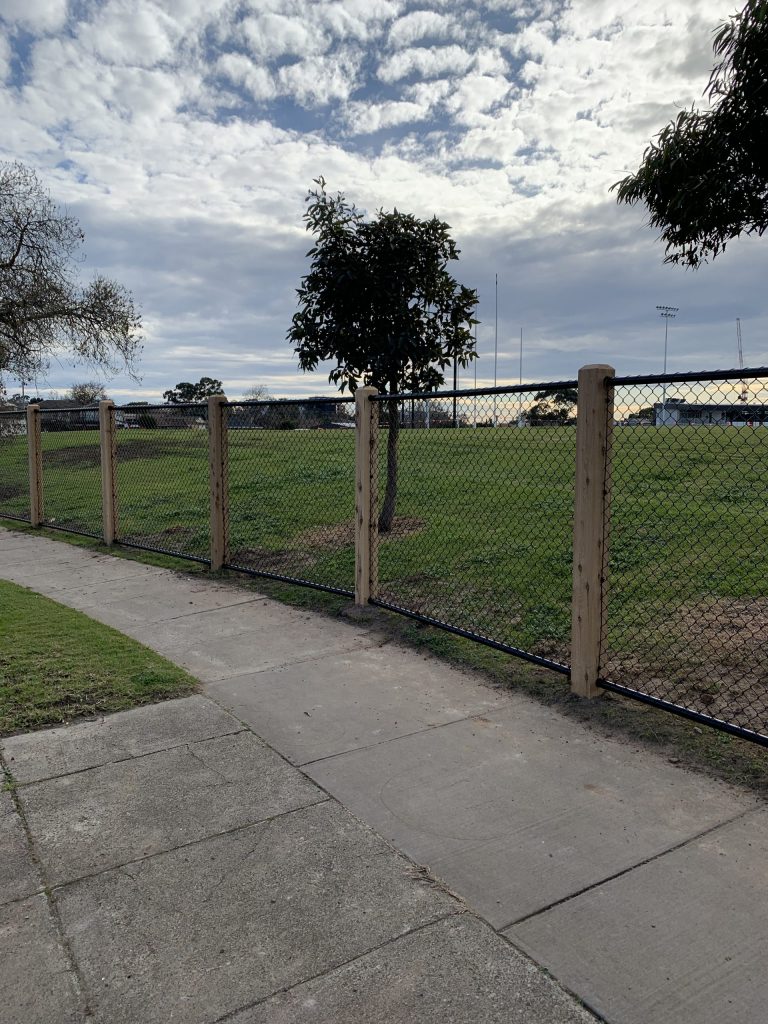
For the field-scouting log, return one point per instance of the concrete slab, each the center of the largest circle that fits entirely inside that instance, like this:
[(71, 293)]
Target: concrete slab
[(35, 981), (457, 971), (107, 816), (259, 617), (681, 940), (168, 602), (18, 874), (156, 589), (200, 932), (54, 577), (11, 538), (273, 641), (73, 748), (97, 595), (522, 807), (345, 701), (25, 557)]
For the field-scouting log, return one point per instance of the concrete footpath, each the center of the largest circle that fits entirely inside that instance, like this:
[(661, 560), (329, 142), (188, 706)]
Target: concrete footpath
[(341, 830)]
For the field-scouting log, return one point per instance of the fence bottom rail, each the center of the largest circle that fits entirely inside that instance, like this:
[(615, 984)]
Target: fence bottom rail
[(297, 581), (479, 638), (683, 712)]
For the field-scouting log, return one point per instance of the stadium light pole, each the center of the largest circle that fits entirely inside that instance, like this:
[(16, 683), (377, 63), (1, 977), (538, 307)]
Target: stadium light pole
[(668, 313), (496, 350)]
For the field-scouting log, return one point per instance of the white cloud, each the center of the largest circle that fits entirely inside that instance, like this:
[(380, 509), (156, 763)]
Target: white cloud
[(274, 35), (38, 16), (5, 59), (318, 81), (138, 33), (418, 25), (254, 77), (194, 197), (428, 62), (363, 118)]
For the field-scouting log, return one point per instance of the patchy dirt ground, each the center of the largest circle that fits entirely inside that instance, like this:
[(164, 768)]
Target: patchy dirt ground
[(88, 456), (710, 656), (9, 491), (309, 546)]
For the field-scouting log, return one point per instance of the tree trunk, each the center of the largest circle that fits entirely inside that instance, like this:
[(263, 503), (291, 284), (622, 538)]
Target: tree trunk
[(387, 514)]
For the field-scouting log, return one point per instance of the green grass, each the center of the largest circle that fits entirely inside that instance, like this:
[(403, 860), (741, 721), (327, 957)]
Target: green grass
[(56, 665), (483, 535)]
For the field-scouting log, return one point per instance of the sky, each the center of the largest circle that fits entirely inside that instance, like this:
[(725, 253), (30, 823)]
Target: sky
[(185, 134)]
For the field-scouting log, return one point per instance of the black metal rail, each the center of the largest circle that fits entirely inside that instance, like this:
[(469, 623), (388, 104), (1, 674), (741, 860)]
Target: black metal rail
[(683, 712)]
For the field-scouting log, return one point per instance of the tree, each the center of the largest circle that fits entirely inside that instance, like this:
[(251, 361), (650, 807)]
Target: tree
[(553, 407), (379, 300), (185, 393), (43, 307), (705, 179), (88, 392), (257, 393)]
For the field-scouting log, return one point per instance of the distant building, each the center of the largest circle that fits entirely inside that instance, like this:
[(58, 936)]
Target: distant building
[(66, 414), (676, 412)]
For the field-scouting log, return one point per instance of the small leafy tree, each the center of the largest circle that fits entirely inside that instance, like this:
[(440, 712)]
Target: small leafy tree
[(43, 307), (379, 302), (185, 393), (705, 180), (553, 407), (87, 392)]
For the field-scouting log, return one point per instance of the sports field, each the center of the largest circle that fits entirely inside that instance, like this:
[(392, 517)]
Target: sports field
[(482, 537)]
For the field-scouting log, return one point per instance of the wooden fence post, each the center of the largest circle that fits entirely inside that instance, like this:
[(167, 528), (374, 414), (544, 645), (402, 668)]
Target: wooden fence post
[(594, 434), (366, 489), (34, 447), (108, 443), (218, 464)]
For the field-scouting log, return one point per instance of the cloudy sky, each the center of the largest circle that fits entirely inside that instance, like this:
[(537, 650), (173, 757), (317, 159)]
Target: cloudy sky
[(184, 135)]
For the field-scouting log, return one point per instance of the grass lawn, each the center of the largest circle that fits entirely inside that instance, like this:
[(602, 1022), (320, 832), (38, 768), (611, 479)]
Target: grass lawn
[(482, 537), (56, 664)]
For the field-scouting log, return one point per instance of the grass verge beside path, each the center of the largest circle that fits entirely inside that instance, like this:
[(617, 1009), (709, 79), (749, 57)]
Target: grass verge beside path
[(57, 664), (682, 742)]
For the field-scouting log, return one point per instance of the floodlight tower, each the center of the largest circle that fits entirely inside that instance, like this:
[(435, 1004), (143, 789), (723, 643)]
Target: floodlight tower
[(668, 313)]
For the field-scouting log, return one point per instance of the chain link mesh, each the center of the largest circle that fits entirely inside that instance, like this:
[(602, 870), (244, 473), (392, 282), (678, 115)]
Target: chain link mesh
[(292, 490), (71, 456), (162, 479), (481, 536), (14, 466), (686, 616)]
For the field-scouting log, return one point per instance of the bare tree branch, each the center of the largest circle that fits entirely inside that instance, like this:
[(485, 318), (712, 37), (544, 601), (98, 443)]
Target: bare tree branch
[(43, 307)]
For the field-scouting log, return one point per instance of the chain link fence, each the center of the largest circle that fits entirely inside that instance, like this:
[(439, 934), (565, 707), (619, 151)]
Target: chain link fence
[(161, 476), (686, 605), (14, 467), (71, 457), (291, 472), (475, 507), (479, 539)]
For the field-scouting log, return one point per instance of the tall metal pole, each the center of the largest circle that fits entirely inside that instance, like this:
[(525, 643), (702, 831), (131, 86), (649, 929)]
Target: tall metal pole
[(496, 349), (455, 388), (520, 401), (474, 417), (669, 313)]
